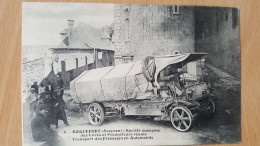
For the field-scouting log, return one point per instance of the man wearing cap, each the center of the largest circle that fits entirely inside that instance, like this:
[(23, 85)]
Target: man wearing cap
[(32, 99), (59, 103)]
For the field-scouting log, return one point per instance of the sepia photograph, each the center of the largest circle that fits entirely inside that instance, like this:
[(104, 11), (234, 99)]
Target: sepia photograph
[(130, 74)]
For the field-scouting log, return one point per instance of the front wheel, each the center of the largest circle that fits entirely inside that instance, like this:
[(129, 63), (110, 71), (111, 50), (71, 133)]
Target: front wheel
[(181, 118), (210, 109), (96, 114)]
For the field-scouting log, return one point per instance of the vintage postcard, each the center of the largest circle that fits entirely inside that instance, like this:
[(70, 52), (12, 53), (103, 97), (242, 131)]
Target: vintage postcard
[(121, 74)]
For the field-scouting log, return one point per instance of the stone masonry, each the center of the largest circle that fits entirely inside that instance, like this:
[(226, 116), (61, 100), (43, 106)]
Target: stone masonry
[(32, 71), (142, 30), (217, 33)]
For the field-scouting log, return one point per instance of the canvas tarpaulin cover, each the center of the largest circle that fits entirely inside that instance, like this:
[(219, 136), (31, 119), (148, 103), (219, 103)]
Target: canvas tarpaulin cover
[(178, 59), (119, 82), (108, 84)]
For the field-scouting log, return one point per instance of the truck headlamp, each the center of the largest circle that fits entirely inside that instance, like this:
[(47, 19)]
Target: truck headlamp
[(205, 92), (190, 94)]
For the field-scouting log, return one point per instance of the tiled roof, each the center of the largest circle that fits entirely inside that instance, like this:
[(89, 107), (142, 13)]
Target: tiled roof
[(86, 37)]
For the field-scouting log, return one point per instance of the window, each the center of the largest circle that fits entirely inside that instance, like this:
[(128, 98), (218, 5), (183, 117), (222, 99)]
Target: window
[(127, 30), (127, 9), (217, 26), (77, 63), (227, 16), (86, 60), (234, 17), (175, 10), (100, 55), (217, 22), (63, 66)]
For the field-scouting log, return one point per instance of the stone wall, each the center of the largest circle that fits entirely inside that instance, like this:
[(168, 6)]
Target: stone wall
[(32, 71), (75, 58), (142, 30), (37, 70), (217, 33), (67, 76), (72, 69)]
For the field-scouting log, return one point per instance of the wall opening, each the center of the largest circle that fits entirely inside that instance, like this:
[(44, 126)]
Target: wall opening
[(63, 66), (86, 60), (234, 17), (77, 63)]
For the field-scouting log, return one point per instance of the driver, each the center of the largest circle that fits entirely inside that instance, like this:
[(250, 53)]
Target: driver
[(170, 77)]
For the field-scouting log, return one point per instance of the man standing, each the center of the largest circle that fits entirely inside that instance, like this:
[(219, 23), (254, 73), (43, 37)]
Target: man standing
[(32, 99), (59, 84), (35, 86), (47, 85), (60, 111), (41, 89)]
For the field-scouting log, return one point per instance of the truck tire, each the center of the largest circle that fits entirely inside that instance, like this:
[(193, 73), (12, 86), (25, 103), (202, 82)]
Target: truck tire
[(181, 118), (96, 114)]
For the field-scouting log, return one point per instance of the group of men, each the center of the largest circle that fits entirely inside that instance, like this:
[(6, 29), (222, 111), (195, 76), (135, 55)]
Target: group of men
[(46, 107)]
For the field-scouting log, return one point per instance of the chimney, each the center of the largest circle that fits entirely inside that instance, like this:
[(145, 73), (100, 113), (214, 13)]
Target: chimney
[(70, 25)]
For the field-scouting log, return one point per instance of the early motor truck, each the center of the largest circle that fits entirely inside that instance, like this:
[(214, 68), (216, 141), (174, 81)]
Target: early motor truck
[(134, 89)]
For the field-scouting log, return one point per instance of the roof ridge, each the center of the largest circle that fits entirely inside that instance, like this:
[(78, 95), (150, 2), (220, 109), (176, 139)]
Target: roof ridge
[(86, 36)]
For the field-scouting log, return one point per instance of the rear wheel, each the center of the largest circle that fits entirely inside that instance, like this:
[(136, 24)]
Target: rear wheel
[(181, 118), (96, 114)]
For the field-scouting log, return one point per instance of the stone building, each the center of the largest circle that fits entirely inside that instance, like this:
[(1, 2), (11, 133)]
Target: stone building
[(82, 45), (82, 48), (141, 30), (217, 33)]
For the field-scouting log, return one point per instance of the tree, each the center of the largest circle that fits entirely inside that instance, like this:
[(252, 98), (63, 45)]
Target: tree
[(109, 29)]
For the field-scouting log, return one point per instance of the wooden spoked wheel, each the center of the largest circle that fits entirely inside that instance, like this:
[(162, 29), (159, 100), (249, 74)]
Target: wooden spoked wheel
[(181, 118), (95, 114)]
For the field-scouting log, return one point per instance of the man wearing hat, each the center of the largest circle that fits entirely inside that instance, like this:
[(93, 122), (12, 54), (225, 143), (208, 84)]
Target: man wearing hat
[(32, 99), (35, 86)]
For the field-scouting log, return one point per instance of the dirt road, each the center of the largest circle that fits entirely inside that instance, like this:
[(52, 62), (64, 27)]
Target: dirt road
[(224, 127)]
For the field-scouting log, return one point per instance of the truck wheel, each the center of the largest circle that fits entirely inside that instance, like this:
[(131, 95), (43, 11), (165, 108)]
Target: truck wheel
[(210, 110), (181, 118), (95, 114)]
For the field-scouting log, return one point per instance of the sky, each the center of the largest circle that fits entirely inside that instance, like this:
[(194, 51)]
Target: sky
[(42, 22)]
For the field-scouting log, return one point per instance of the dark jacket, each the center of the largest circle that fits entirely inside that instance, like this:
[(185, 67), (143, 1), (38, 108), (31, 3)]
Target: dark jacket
[(35, 86), (40, 128), (57, 111)]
